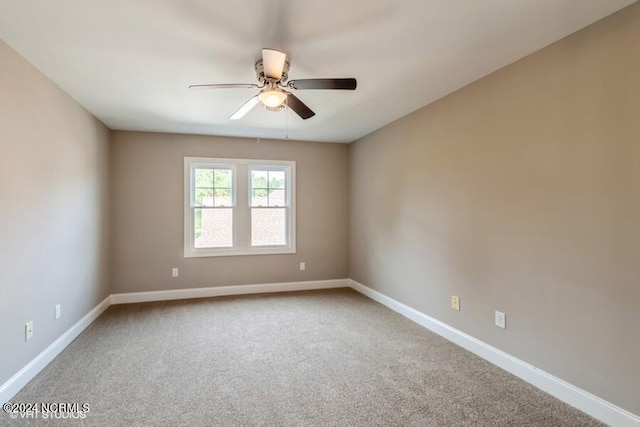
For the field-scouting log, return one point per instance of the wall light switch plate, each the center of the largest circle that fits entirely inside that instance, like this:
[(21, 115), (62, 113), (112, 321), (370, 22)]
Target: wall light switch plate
[(28, 330), (501, 320)]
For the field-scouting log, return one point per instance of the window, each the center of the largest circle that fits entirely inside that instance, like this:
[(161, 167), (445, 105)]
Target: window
[(238, 207)]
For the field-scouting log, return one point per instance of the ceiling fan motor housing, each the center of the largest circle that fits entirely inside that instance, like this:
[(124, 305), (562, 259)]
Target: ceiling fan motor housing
[(262, 78)]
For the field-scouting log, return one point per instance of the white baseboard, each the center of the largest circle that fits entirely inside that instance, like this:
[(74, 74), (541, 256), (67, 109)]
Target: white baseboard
[(26, 374), (560, 389), (175, 294)]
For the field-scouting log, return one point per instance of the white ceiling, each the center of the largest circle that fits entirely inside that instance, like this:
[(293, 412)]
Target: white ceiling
[(129, 62)]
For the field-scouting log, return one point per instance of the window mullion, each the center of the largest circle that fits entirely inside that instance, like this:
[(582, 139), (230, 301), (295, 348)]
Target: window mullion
[(242, 214)]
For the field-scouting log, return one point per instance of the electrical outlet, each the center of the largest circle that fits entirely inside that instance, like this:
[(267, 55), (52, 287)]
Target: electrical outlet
[(28, 330), (175, 272), (303, 266), (58, 311), (455, 303), (501, 320)]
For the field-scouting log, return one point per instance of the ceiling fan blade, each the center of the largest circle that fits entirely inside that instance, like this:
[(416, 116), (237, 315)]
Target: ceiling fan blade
[(246, 107), (343, 84), (226, 86), (299, 107), (273, 63)]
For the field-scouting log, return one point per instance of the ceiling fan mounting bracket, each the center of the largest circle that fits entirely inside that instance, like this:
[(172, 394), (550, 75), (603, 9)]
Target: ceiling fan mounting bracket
[(262, 78)]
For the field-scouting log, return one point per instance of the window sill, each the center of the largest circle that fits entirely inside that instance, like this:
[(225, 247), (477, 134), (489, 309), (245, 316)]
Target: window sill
[(204, 253)]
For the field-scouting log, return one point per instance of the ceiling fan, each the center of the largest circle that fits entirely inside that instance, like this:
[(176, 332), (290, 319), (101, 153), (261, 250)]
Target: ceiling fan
[(272, 73)]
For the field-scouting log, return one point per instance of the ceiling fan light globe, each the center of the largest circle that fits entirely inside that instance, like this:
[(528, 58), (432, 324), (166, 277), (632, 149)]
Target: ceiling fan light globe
[(273, 98)]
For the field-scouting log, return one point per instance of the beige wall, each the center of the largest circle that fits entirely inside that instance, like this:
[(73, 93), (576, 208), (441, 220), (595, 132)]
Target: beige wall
[(147, 213), (520, 193), (53, 193)]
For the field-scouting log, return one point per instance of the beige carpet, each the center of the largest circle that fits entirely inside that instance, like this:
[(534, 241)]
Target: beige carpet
[(320, 358)]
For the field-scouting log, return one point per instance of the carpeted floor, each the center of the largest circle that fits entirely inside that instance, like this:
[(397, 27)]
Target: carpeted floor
[(319, 358)]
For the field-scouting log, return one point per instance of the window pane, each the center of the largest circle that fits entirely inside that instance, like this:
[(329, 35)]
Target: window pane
[(213, 187), (277, 198), (223, 178), (268, 227), (259, 197), (204, 177), (268, 188), (259, 179), (223, 197), (276, 179), (204, 197), (259, 188), (213, 228)]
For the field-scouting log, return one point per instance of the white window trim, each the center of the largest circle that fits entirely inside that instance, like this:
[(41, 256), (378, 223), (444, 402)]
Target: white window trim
[(241, 206)]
